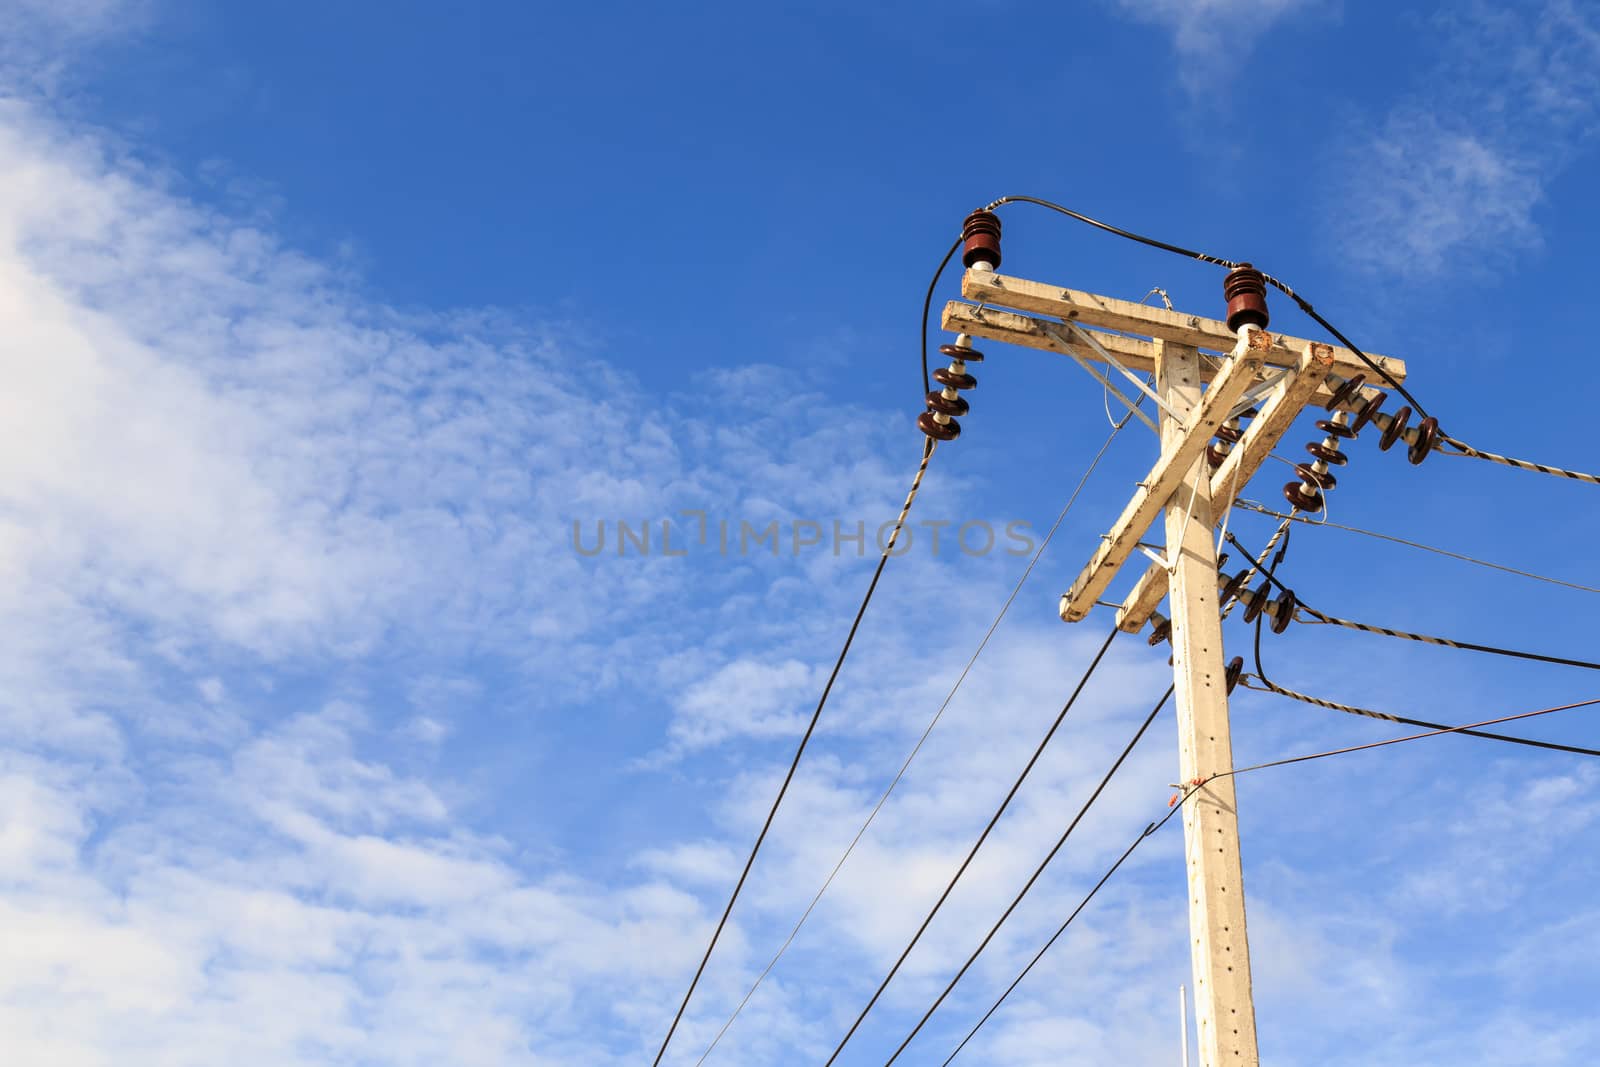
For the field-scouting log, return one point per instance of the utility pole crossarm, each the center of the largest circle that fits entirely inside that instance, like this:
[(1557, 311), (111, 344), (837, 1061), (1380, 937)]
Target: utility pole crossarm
[(1177, 457), (1241, 464), (1109, 313)]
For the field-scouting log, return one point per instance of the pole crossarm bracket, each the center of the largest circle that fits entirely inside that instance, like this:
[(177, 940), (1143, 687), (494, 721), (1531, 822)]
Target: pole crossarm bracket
[(994, 292), (1170, 470), (1291, 396)]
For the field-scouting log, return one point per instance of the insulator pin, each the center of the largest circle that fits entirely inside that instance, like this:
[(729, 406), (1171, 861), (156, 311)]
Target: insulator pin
[(1394, 427), (1245, 289), (980, 232), (1306, 498)]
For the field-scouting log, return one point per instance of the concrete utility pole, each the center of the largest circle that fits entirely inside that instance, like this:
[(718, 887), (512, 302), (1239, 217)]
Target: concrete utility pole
[(1192, 485)]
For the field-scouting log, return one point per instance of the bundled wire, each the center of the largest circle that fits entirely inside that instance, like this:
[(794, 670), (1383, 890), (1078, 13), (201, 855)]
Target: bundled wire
[(1520, 464)]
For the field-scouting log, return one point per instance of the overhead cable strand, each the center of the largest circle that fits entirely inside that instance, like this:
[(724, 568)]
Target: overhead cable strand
[(1520, 464), (927, 307), (1037, 871), (976, 845), (1251, 505), (1201, 782), (1268, 686), (1302, 302), (1149, 831), (937, 715), (1428, 639), (899, 523)]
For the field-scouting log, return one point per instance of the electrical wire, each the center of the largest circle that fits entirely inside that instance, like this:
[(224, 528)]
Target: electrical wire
[(915, 749), (1299, 300), (1200, 783), (1405, 635), (1037, 871), (927, 309), (1520, 464), (1251, 505), (916, 483), (982, 837), (1268, 686), (1148, 831)]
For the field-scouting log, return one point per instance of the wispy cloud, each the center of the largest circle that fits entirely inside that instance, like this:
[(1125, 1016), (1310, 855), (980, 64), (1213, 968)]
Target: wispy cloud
[(1454, 173), (1211, 37)]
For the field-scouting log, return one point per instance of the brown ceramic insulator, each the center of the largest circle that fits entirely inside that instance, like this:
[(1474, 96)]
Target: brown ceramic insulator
[(1248, 413), (1283, 612), (1215, 455), (939, 431), (963, 353), (954, 379), (1301, 496), (1246, 291), (1320, 479), (1230, 588), (937, 401), (1326, 454), (1230, 434), (981, 234), (1367, 410), (1160, 632), (1396, 427), (1335, 429), (1233, 672), (1254, 600), (1222, 561), (1346, 393), (1427, 434)]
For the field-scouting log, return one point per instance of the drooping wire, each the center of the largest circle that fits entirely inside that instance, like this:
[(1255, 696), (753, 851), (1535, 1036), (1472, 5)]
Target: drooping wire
[(927, 309), (1250, 505), (916, 748), (978, 844), (1268, 686), (1443, 642), (1149, 831), (1037, 871), (1299, 300), (805, 739), (1200, 783)]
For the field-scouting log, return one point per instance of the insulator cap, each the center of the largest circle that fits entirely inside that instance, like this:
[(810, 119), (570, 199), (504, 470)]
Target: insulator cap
[(942, 404), (981, 234), (1231, 587), (1215, 455), (939, 431), (1300, 496), (1326, 454), (1230, 434), (1320, 479), (1283, 611), (1368, 410), (1348, 392), (1161, 631), (1234, 671), (1334, 429), (965, 353), (1427, 435), (1395, 428), (954, 379), (1246, 291)]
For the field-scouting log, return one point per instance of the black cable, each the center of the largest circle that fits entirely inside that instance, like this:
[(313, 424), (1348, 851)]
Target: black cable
[(1149, 831), (1442, 642), (927, 307), (984, 836), (1261, 672), (1037, 871), (916, 482), (1303, 304)]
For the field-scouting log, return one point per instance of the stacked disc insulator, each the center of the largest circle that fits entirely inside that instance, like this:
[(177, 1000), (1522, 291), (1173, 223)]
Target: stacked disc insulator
[(946, 404)]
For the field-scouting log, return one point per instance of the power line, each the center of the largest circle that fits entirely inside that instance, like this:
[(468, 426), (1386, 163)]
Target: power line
[(1250, 505), (1406, 635), (927, 307), (1148, 831), (1200, 782), (1520, 464), (1037, 871), (899, 523), (1268, 686), (982, 837), (915, 749)]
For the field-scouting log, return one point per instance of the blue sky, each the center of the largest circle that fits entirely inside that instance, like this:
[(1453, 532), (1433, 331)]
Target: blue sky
[(320, 744)]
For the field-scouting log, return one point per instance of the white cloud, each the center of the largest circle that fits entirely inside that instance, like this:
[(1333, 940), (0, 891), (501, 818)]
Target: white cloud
[(1454, 174), (1212, 37)]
